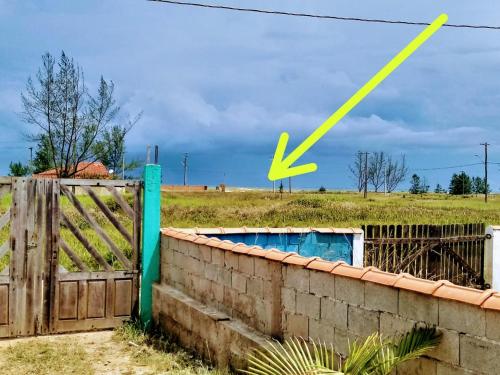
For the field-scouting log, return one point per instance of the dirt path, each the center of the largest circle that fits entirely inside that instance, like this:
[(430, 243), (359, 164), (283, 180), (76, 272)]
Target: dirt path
[(105, 355)]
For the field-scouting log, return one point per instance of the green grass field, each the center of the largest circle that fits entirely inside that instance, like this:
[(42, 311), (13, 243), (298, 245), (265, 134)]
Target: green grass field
[(339, 209), (236, 209)]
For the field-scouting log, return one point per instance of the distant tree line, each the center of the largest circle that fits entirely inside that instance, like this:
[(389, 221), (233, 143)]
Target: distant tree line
[(381, 171), (460, 184)]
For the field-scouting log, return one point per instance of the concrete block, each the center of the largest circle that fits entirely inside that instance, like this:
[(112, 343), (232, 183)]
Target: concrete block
[(418, 307), (230, 295), (296, 325), (289, 300), (262, 268), (322, 284), (351, 291), (184, 246), (218, 256), (462, 317), (194, 266), (206, 253), (180, 259), (381, 298), (493, 325), (244, 305), (230, 260), (308, 305), (263, 319), (194, 251), (420, 366), (217, 291), (224, 277), (255, 287), (246, 264), (321, 331), (342, 341), (393, 325), (211, 271), (296, 277), (362, 322), (239, 282), (448, 349), (480, 355), (334, 312), (446, 369)]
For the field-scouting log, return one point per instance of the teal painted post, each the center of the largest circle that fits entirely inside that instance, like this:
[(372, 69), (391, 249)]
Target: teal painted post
[(150, 239)]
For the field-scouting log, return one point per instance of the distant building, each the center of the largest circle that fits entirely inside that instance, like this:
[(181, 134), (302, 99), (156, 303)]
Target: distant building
[(85, 170)]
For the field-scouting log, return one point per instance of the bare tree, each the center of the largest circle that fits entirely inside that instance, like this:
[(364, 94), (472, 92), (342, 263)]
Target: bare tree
[(357, 171), (376, 165), (59, 105), (395, 172)]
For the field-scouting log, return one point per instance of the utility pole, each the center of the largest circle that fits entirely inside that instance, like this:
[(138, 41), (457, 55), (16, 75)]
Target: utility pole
[(123, 166), (148, 154), (290, 185), (485, 144), (31, 154), (185, 164), (156, 154), (365, 173)]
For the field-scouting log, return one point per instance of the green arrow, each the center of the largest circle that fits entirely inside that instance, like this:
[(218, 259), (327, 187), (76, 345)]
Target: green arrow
[(281, 167)]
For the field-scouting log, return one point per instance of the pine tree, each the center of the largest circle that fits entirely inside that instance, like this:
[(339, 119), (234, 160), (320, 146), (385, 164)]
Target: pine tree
[(460, 184)]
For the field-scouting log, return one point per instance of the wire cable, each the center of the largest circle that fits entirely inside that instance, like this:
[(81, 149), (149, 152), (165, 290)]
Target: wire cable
[(449, 167), (320, 16)]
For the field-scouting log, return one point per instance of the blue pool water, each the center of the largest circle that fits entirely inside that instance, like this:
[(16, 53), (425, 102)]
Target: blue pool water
[(329, 246)]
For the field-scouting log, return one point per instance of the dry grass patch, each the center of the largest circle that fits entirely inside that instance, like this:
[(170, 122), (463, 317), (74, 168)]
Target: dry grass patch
[(37, 357), (158, 353)]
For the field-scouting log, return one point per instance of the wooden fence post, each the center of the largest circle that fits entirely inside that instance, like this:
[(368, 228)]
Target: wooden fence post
[(150, 239)]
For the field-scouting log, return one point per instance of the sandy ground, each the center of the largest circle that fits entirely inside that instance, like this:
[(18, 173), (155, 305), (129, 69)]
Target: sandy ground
[(108, 356)]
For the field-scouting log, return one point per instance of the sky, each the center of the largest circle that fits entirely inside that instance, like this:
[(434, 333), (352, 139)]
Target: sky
[(222, 86)]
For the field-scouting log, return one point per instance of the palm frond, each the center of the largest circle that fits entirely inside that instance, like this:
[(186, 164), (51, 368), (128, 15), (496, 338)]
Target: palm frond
[(292, 358)]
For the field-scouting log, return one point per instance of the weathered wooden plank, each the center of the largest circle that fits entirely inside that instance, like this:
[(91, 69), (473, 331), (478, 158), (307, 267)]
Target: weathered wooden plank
[(88, 246), (17, 307), (136, 249), (123, 297), (79, 276), (68, 300), (54, 256), (123, 204), (88, 325), (82, 299), (111, 217), (47, 210), (95, 226), (96, 183), (4, 305), (6, 180), (73, 256), (96, 299)]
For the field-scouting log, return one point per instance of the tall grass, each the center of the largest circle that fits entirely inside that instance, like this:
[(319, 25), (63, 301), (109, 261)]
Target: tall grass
[(316, 209)]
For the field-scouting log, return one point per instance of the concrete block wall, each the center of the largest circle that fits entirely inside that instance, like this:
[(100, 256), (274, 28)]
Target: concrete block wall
[(283, 295), (242, 286)]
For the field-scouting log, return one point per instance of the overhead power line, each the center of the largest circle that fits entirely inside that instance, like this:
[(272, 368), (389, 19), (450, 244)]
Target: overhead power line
[(320, 16), (448, 167)]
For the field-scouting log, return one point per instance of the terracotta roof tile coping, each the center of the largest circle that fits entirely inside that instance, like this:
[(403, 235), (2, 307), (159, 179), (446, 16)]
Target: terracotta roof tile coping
[(244, 230), (488, 299), (321, 265)]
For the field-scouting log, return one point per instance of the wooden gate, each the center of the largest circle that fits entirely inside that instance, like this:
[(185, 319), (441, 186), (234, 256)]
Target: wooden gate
[(69, 250), (453, 252)]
